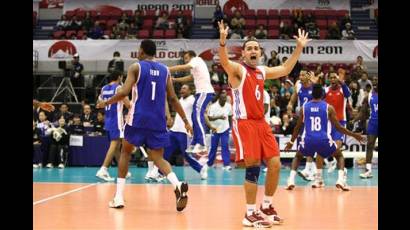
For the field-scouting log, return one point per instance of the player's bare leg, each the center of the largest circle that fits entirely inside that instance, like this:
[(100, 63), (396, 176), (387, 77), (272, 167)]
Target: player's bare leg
[(253, 217), (293, 170), (371, 140), (318, 183), (114, 149), (125, 157), (271, 184), (180, 188), (342, 172), (310, 169)]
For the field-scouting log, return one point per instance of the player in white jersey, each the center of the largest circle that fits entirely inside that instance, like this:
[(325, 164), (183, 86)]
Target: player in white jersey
[(204, 94)]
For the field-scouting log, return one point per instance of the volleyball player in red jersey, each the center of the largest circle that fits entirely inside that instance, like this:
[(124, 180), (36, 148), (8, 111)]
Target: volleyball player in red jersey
[(252, 136)]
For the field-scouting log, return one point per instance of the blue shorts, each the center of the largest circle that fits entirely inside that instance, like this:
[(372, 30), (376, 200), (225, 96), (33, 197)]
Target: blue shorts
[(150, 138), (114, 134), (373, 127), (336, 135), (324, 148)]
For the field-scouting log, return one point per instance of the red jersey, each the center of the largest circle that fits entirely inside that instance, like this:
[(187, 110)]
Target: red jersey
[(247, 99), (337, 99)]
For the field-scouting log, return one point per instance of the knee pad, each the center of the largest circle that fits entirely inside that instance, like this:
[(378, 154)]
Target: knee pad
[(252, 174)]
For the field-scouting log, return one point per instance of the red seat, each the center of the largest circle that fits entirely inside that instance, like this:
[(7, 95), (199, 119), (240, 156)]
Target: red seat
[(287, 21), (322, 34), (129, 13), (158, 34), (307, 11), (148, 24), (108, 33), (250, 24), (111, 23), (93, 14), (143, 34), (285, 14), (321, 23), (273, 14), (261, 22), (115, 15), (105, 15), (80, 14), (173, 14), (69, 14), (320, 14), (170, 34), (330, 22), (70, 33), (261, 14), (325, 67), (58, 34), (332, 14), (187, 14), (273, 34), (273, 24), (312, 66), (228, 14), (249, 14), (80, 34), (341, 13), (149, 14)]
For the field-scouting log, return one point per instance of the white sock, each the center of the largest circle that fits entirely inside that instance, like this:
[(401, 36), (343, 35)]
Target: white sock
[(369, 167), (120, 188), (341, 174), (292, 174), (326, 161), (173, 179), (150, 165), (267, 200), (313, 168), (250, 208), (319, 173), (308, 166)]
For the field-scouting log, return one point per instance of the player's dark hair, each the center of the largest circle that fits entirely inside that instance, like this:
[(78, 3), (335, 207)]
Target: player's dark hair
[(116, 54), (191, 53), (317, 91), (149, 47), (115, 75), (250, 40)]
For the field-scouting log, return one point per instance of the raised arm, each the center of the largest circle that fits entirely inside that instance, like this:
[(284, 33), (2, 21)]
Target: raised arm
[(232, 69), (286, 68), (293, 98)]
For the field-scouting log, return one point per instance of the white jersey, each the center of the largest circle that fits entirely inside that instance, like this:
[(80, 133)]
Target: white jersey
[(187, 105), (200, 73), (266, 100), (216, 110)]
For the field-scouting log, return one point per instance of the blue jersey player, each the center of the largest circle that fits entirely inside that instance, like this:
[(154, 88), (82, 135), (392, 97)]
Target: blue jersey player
[(371, 102), (318, 118), (113, 123), (150, 84)]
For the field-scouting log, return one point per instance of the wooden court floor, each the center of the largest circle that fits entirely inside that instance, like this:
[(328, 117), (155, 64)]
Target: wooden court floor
[(61, 206)]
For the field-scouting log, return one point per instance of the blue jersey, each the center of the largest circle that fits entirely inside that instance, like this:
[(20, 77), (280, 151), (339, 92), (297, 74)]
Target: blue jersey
[(317, 124), (304, 94), (374, 103), (113, 118), (149, 97)]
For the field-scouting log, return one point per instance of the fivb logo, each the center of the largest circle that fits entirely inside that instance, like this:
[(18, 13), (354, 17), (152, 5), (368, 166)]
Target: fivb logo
[(154, 72)]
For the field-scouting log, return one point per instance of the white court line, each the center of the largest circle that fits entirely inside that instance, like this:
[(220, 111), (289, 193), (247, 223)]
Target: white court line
[(63, 194)]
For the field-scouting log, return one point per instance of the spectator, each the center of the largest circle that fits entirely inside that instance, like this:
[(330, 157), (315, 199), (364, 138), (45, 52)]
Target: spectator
[(76, 24), (309, 19), (274, 108), (180, 20), (274, 60), (116, 63), (44, 124), (250, 35), (359, 62), (364, 80), (63, 23), (123, 25), (313, 31), (346, 19), (264, 58), (297, 18), (162, 22), (77, 127), (238, 23), (287, 87), (217, 78), (88, 22), (356, 73), (285, 31), (261, 32), (36, 141), (348, 33), (356, 126), (59, 145), (274, 93), (333, 32), (357, 95), (99, 124), (115, 32), (319, 72), (96, 32), (124, 17), (218, 16), (287, 125), (180, 32), (132, 31), (63, 111), (137, 19), (77, 79), (88, 118)]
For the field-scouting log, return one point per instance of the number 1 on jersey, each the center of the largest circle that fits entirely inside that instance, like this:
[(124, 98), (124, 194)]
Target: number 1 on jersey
[(153, 83)]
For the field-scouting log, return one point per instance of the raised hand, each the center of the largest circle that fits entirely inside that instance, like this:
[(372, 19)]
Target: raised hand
[(302, 38), (46, 106), (223, 32)]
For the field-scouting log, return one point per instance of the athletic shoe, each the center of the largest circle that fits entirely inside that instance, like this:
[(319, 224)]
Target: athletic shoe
[(49, 165), (332, 166), (128, 175), (116, 203), (318, 183), (227, 168), (265, 170), (61, 166), (104, 175), (181, 196), (341, 184), (189, 149), (366, 175), (305, 175), (204, 172), (35, 166), (256, 220), (271, 214), (291, 184)]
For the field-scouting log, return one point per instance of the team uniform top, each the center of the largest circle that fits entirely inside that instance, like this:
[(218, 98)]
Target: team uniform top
[(187, 104), (149, 92), (113, 118), (315, 118), (200, 73), (338, 99), (373, 103), (304, 93)]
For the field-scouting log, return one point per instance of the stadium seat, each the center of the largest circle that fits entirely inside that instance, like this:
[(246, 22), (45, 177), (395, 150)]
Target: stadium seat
[(58, 34), (261, 22), (332, 14), (148, 24), (70, 33), (149, 14), (129, 13), (111, 23), (273, 34), (320, 14), (307, 11), (69, 14), (115, 15), (330, 22), (250, 24), (321, 23), (173, 14), (285, 14), (288, 21), (81, 34), (322, 34), (273, 24), (261, 14), (143, 34), (249, 14), (93, 14), (104, 15), (273, 14), (80, 14), (158, 34), (108, 33), (312, 66), (170, 34)]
